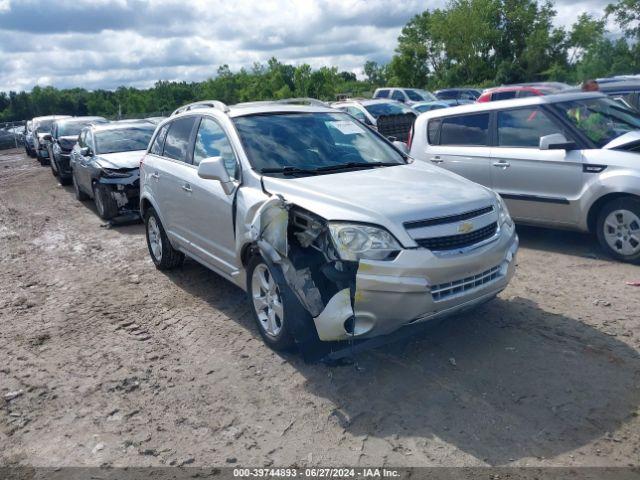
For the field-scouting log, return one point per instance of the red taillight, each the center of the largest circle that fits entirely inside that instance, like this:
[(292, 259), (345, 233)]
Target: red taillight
[(410, 139)]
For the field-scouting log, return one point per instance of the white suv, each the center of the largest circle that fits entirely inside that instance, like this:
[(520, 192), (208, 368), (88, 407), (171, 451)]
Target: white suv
[(333, 232)]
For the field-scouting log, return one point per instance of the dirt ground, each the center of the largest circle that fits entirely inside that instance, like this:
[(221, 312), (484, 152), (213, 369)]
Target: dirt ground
[(116, 363)]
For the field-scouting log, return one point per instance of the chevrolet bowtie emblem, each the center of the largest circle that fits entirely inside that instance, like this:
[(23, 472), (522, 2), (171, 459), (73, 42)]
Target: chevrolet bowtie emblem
[(465, 227)]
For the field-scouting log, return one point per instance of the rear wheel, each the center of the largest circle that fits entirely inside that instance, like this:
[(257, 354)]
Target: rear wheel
[(269, 300), (105, 203), (164, 256), (619, 229)]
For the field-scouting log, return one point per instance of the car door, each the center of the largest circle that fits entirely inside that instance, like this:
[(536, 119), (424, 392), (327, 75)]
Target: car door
[(208, 210), (460, 143), (539, 186), (170, 173)]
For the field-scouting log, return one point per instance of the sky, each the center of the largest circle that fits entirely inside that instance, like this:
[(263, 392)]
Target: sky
[(108, 43)]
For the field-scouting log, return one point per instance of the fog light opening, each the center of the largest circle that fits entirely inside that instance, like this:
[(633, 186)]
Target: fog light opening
[(349, 325)]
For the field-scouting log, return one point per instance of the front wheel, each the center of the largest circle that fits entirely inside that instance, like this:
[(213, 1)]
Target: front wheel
[(619, 229), (269, 301), (164, 256), (105, 203)]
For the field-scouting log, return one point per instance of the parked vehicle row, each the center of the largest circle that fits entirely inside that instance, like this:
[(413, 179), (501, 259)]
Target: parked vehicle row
[(339, 232)]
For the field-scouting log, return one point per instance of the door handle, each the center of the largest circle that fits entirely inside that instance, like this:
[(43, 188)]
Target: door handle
[(155, 175), (187, 188), (436, 159), (503, 165)]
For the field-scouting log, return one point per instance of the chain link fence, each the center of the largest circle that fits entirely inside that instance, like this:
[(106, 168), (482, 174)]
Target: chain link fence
[(12, 135)]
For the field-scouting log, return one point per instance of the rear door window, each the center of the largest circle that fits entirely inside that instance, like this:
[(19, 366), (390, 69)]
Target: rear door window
[(524, 127), (398, 95), (176, 145), (465, 130)]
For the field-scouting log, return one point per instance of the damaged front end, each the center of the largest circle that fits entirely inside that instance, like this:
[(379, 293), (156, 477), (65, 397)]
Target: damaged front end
[(357, 282), (300, 245), (123, 185)]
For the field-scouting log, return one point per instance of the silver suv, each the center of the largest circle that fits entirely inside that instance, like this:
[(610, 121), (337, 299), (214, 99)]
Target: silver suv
[(568, 160), (333, 232)]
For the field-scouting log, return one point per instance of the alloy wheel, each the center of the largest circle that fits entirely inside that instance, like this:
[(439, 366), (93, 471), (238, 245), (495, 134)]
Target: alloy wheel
[(622, 232), (155, 239), (267, 301)]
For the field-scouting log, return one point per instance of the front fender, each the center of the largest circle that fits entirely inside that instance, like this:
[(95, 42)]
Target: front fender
[(621, 181)]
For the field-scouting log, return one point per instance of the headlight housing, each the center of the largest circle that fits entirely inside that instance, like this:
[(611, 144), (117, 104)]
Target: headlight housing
[(356, 241), (503, 212)]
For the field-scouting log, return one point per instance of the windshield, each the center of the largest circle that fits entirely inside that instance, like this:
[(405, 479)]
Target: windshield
[(311, 141), (44, 126), (68, 129), (123, 140), (377, 109), (600, 119), (420, 95)]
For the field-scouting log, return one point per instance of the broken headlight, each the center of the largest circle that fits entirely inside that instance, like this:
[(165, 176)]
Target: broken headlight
[(503, 212), (354, 241)]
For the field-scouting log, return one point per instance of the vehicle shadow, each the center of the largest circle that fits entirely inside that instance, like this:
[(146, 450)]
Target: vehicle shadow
[(506, 381), (560, 241)]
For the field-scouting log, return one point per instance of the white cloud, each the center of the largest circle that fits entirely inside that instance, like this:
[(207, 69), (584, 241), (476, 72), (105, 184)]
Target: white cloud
[(107, 43)]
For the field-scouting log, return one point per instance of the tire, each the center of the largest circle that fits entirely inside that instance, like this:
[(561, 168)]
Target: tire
[(618, 229), (54, 167), (79, 194), (271, 304), (64, 180), (164, 256), (105, 203)]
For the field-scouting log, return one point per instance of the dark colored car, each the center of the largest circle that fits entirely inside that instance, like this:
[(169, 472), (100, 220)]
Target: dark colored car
[(458, 94), (625, 91), (105, 166), (41, 128), (60, 142)]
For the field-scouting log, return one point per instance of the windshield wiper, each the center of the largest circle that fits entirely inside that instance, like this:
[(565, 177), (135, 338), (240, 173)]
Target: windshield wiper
[(349, 165), (289, 170)]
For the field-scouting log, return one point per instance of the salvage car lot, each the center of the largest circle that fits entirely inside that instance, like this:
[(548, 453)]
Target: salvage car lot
[(105, 360)]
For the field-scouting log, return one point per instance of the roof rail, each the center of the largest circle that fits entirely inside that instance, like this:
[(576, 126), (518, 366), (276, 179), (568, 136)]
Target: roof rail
[(302, 101), (202, 104)]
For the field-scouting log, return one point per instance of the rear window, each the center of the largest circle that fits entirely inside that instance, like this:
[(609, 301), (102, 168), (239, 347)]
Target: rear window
[(384, 93), (177, 142), (465, 130), (387, 108), (503, 95)]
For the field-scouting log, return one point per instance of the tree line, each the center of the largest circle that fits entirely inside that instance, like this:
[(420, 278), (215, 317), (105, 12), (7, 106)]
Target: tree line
[(467, 43)]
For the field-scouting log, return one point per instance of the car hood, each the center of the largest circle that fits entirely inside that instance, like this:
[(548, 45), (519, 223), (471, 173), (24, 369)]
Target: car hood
[(121, 159), (628, 139), (387, 196)]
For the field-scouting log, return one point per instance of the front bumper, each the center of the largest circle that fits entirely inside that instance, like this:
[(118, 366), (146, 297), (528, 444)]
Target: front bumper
[(420, 285), (125, 191)]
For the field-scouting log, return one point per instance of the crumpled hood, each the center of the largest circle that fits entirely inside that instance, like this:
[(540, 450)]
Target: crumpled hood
[(121, 159), (622, 140), (387, 196)]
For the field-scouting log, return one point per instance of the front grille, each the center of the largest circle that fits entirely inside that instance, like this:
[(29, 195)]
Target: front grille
[(450, 219), (446, 290), (451, 242)]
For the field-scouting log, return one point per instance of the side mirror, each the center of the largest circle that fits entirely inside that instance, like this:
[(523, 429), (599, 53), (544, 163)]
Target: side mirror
[(556, 141), (401, 146), (213, 168), (85, 151), (47, 137)]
